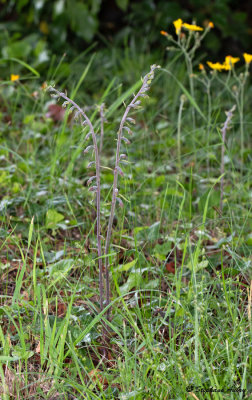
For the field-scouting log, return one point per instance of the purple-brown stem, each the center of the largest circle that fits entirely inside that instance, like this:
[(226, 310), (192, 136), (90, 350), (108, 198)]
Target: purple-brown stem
[(97, 189), (133, 104), (102, 125)]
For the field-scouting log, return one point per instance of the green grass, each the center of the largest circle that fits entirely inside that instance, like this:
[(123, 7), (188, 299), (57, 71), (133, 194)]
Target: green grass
[(181, 270)]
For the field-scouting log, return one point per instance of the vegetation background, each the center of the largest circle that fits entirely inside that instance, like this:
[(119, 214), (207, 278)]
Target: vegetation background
[(180, 256)]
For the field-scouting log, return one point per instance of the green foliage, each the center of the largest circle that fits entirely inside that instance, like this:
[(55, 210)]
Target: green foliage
[(148, 18), (53, 218), (180, 267), (36, 29)]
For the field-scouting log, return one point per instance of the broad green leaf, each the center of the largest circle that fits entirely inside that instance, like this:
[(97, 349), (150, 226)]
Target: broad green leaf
[(161, 250), (20, 354), (52, 219), (60, 268), (199, 265), (153, 231), (152, 284), (134, 280), (125, 267)]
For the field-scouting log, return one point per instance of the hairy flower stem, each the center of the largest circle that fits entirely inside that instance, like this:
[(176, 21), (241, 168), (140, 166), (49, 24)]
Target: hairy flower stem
[(224, 129), (102, 125), (132, 104), (98, 190)]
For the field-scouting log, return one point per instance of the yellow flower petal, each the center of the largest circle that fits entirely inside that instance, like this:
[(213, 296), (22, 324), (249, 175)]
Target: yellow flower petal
[(178, 24), (247, 58), (14, 77), (229, 60), (226, 66), (216, 66), (192, 27)]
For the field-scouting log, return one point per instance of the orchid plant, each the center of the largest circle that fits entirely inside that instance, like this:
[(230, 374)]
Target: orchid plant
[(94, 181)]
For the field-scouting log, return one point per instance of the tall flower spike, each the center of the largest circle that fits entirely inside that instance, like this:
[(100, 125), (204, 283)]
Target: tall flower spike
[(96, 188), (117, 170)]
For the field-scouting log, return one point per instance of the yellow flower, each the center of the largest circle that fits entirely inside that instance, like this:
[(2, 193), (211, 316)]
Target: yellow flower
[(178, 24), (226, 66), (211, 24), (247, 58), (14, 77), (164, 33), (201, 67), (216, 66), (192, 27), (229, 60)]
